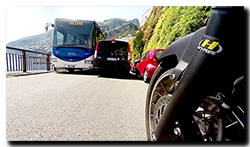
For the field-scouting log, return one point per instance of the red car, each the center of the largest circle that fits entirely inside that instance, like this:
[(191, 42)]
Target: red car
[(147, 64)]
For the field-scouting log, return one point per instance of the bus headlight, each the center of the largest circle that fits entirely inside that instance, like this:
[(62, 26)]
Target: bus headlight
[(54, 60), (88, 62)]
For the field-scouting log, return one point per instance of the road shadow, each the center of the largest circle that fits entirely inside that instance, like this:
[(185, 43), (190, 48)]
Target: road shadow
[(102, 74)]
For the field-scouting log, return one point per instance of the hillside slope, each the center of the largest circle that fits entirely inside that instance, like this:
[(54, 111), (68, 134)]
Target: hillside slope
[(41, 42), (168, 24), (115, 27), (127, 28), (111, 23)]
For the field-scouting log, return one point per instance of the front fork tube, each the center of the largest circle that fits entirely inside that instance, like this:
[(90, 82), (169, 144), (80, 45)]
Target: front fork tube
[(186, 97)]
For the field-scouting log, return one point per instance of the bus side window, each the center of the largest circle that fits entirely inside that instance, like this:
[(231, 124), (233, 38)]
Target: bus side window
[(94, 39), (98, 33), (96, 36)]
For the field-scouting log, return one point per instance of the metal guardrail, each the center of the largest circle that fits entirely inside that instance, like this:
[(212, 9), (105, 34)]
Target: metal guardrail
[(25, 60)]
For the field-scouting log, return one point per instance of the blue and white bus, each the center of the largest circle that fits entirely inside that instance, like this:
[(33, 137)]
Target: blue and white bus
[(74, 43)]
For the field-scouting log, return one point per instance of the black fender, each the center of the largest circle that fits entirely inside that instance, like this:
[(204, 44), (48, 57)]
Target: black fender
[(179, 53), (177, 48)]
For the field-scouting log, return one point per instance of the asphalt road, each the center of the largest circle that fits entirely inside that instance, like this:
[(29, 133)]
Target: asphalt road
[(80, 106)]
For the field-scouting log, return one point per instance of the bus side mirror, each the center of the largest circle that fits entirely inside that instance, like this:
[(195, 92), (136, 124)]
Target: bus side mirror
[(47, 26)]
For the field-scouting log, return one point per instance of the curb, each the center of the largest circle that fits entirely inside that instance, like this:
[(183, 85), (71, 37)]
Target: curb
[(10, 75)]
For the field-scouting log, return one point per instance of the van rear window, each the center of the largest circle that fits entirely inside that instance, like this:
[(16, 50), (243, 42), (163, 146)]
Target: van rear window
[(106, 46)]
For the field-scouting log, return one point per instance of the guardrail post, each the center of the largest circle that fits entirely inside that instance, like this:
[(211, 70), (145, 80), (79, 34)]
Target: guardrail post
[(48, 62), (24, 61)]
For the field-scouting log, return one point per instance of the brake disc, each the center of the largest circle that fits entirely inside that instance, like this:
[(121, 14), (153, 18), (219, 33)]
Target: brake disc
[(160, 106)]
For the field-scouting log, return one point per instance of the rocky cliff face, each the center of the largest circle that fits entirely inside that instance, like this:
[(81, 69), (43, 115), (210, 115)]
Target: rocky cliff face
[(110, 24), (115, 27), (122, 31), (135, 21)]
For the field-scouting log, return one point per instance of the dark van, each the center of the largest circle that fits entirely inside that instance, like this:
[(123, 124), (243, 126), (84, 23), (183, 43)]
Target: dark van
[(112, 54)]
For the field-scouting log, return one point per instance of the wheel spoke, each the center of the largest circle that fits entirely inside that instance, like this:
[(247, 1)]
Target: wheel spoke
[(163, 88), (158, 93)]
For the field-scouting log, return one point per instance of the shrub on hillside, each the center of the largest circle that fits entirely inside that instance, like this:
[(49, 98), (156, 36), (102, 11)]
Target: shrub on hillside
[(176, 22)]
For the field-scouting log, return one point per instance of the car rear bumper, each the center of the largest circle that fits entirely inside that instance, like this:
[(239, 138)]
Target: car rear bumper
[(112, 65)]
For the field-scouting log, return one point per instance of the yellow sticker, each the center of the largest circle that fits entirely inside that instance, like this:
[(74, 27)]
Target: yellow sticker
[(210, 46)]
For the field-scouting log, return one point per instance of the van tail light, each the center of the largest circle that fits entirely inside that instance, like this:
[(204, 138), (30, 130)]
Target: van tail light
[(95, 53), (128, 54)]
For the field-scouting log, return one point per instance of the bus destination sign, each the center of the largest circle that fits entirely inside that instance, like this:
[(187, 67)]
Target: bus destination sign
[(76, 23)]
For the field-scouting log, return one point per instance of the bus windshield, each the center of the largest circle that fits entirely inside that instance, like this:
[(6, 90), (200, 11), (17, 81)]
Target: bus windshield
[(77, 34)]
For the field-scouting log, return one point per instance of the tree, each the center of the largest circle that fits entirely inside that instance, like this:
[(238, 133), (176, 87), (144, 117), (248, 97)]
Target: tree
[(138, 44)]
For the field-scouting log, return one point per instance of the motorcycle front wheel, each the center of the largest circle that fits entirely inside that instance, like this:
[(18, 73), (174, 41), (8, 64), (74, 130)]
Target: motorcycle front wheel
[(204, 120), (159, 94)]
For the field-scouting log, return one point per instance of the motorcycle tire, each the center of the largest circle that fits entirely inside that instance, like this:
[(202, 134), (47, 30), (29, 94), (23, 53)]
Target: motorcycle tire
[(160, 71)]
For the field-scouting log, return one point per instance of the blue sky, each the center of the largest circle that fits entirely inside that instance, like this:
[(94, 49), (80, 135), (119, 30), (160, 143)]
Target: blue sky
[(23, 21)]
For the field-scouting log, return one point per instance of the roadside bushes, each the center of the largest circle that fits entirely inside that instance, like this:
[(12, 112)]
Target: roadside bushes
[(176, 22), (138, 45), (144, 33), (167, 24)]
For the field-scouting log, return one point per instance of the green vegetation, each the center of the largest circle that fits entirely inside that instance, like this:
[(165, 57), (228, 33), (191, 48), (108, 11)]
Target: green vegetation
[(138, 45), (149, 26), (145, 33), (168, 24)]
